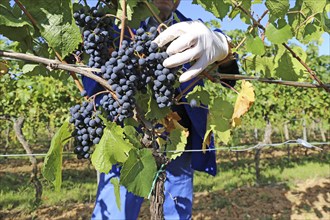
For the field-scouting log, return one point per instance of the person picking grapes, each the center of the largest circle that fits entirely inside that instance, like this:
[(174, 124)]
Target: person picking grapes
[(188, 41)]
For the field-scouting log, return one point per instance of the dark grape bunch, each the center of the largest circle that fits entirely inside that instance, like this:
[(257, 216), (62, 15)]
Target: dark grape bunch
[(131, 68), (97, 33), (122, 75), (162, 79), (88, 128)]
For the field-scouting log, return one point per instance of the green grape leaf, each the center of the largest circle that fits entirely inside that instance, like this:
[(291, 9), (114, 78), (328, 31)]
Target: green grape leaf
[(222, 137), (52, 166), (266, 65), (154, 112), (278, 36), (24, 96), (218, 8), (246, 4), (177, 142), (20, 34), (130, 5), (324, 18), (311, 32), (199, 94), (285, 69), (111, 149), (277, 8), (29, 68), (34, 69), (137, 11), (315, 6), (56, 24), (255, 45), (5, 3), (141, 12), (218, 121), (298, 67), (133, 136), (116, 188), (7, 18), (131, 122), (325, 24), (143, 99), (138, 172)]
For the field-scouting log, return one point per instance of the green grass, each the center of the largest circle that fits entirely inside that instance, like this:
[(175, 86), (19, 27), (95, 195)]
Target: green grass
[(23, 199), (16, 192), (231, 176), (79, 186)]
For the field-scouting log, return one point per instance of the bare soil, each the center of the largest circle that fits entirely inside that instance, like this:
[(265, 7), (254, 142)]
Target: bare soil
[(310, 200)]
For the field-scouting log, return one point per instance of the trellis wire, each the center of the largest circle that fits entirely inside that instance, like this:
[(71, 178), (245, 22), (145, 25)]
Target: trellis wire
[(258, 146), (233, 149), (27, 155)]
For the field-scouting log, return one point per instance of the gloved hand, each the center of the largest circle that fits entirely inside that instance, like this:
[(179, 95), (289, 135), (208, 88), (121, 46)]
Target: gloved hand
[(192, 40)]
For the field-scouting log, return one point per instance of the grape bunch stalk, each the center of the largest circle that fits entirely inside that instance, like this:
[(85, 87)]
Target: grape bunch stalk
[(132, 68)]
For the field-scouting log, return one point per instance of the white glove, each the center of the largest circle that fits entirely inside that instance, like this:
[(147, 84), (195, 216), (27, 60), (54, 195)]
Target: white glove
[(192, 40)]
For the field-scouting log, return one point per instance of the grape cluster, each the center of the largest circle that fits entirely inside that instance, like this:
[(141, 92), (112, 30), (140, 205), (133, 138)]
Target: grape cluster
[(121, 73), (133, 67), (162, 79), (97, 33), (88, 128)]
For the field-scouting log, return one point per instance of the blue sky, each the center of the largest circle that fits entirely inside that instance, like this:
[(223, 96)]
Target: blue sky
[(195, 11)]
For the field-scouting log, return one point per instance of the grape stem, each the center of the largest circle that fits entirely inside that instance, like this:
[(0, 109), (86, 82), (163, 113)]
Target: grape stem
[(265, 80), (229, 86), (183, 93), (35, 25), (310, 71), (140, 116), (55, 64), (102, 92), (152, 12), (160, 26), (200, 76), (251, 29), (33, 21), (111, 15), (123, 21)]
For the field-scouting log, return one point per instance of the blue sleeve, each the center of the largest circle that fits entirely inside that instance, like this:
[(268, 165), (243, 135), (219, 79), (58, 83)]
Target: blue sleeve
[(201, 161)]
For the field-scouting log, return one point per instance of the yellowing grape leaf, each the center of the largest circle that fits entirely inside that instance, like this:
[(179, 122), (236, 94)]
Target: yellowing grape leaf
[(170, 122), (243, 103), (177, 139), (3, 68)]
